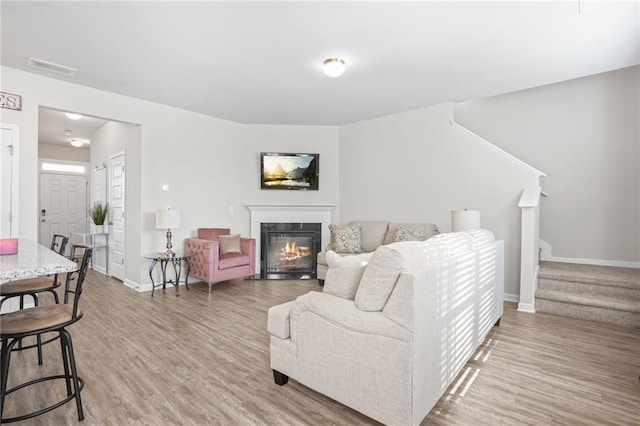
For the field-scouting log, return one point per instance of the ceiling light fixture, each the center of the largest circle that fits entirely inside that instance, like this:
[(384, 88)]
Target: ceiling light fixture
[(333, 67), (77, 143), (73, 116)]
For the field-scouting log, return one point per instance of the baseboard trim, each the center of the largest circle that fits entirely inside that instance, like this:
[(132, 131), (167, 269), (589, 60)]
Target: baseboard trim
[(131, 284), (511, 297), (526, 307)]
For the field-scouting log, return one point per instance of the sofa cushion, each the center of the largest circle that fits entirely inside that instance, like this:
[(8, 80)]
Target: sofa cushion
[(373, 233), (229, 244), (346, 239), (379, 279), (231, 260), (429, 230), (344, 274)]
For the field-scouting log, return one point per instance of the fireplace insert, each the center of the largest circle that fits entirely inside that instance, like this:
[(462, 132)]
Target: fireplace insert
[(289, 250)]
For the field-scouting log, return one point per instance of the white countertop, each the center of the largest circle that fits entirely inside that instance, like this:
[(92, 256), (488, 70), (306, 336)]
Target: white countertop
[(33, 259)]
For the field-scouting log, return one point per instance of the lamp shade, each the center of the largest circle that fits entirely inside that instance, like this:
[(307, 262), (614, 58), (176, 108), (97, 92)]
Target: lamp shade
[(167, 218), (465, 220)]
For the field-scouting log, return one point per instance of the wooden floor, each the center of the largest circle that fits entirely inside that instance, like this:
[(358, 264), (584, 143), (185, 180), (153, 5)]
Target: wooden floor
[(195, 360)]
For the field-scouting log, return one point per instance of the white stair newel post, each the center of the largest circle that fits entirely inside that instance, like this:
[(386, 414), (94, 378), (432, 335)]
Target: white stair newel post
[(529, 250)]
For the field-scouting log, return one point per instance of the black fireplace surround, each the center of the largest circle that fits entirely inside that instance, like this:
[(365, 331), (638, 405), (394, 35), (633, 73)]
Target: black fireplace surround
[(289, 250)]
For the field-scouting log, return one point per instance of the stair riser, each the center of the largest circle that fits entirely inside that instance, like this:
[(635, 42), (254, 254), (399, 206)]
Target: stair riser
[(590, 313), (581, 288)]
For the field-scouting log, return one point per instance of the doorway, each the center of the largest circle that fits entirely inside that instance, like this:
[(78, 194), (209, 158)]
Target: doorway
[(9, 141), (63, 205)]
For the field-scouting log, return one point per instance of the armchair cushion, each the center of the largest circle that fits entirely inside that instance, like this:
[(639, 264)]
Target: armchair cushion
[(231, 260)]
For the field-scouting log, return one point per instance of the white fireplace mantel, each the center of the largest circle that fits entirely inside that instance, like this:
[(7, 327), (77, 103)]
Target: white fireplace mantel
[(284, 213)]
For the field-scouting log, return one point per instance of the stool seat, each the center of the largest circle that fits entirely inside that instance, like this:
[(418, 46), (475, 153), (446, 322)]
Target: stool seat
[(27, 285), (35, 320)]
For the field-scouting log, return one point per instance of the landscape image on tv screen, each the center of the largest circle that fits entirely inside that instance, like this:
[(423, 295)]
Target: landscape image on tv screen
[(290, 171)]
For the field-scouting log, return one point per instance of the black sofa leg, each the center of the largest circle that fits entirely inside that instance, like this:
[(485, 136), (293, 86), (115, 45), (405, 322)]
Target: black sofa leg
[(279, 378), (321, 282), (498, 322)]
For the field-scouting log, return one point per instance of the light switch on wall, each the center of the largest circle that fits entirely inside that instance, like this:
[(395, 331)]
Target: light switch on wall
[(165, 187), (231, 209)]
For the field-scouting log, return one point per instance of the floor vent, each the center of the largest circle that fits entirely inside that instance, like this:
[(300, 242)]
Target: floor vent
[(51, 67)]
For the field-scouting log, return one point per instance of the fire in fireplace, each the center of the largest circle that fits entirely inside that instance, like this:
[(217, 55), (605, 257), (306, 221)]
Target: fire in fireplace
[(289, 250)]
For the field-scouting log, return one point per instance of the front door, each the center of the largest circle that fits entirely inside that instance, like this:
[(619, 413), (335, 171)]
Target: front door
[(116, 217), (63, 205)]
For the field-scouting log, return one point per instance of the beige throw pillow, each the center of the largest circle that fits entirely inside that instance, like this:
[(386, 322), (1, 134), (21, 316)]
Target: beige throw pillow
[(404, 234), (346, 239), (344, 274), (379, 279), (229, 244)]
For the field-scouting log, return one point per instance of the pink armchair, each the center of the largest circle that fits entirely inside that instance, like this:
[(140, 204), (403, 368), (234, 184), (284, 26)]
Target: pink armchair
[(207, 264)]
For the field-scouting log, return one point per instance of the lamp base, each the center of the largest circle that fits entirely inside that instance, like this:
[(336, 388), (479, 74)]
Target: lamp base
[(169, 252)]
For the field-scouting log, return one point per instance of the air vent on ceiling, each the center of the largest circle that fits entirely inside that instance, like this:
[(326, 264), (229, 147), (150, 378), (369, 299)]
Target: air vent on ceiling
[(51, 67)]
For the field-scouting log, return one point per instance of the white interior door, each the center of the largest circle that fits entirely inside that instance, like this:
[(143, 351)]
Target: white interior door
[(116, 217), (9, 140), (63, 205)]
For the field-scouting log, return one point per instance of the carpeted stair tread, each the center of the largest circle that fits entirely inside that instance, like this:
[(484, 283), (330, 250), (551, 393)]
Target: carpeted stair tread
[(589, 313), (590, 274), (629, 304)]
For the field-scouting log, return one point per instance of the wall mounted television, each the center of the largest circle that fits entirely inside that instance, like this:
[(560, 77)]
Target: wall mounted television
[(289, 171)]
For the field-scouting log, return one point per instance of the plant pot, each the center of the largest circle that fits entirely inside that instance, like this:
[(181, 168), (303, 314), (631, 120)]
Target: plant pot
[(99, 229)]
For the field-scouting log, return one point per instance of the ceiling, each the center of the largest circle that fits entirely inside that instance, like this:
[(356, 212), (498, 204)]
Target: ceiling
[(260, 62), (53, 126)]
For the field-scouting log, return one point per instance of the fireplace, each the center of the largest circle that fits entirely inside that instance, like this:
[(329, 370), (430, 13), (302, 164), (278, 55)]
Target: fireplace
[(319, 214), (289, 250)]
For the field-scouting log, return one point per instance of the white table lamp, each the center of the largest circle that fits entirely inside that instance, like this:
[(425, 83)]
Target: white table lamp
[(168, 218), (465, 220)]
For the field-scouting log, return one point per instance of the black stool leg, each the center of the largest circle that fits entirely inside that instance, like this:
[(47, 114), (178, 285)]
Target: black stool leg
[(5, 358), (65, 362), (74, 373)]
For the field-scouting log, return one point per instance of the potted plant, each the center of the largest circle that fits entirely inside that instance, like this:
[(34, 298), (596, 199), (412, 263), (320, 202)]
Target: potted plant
[(98, 214)]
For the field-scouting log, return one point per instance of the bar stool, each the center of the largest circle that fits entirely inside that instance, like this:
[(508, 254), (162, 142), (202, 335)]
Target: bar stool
[(34, 286), (45, 319)]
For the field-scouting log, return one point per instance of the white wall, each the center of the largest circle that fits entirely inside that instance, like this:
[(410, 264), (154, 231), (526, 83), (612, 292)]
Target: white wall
[(111, 139), (417, 167), (61, 152), (584, 135), (208, 163)]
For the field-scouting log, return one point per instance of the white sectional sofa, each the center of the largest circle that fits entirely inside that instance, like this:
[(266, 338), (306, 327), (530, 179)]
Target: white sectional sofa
[(373, 234), (419, 312)]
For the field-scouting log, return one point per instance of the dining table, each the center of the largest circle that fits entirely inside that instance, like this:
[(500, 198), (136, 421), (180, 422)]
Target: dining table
[(32, 260)]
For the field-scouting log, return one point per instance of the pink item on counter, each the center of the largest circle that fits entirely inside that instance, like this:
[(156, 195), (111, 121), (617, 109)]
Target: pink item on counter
[(8, 246)]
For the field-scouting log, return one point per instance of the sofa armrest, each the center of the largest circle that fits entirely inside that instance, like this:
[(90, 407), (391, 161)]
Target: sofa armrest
[(203, 258), (278, 323), (344, 313)]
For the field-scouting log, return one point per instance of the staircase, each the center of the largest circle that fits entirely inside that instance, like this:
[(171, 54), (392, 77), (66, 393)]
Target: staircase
[(596, 293)]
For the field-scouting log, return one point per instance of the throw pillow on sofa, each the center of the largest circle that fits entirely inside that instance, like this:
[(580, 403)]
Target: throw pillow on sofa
[(346, 239), (405, 234), (379, 279), (344, 274)]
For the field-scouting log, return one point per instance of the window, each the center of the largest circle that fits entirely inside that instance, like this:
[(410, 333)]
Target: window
[(67, 168)]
